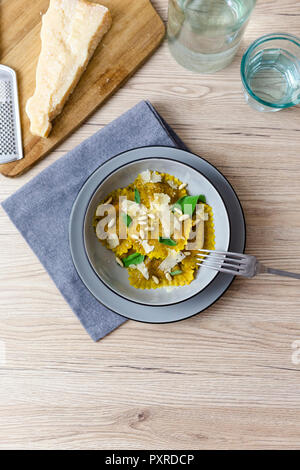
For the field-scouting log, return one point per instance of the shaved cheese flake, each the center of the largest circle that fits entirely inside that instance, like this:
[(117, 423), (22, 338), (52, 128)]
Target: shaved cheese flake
[(147, 247), (150, 177), (171, 260), (130, 207), (161, 199), (172, 184), (165, 219), (112, 240), (155, 178), (143, 270), (146, 176)]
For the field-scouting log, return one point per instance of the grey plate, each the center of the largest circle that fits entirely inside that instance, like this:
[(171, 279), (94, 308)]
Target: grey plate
[(131, 309)]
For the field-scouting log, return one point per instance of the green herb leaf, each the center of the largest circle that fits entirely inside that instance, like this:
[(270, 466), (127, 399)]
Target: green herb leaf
[(137, 196), (135, 258), (175, 273), (187, 204), (202, 198), (167, 241), (126, 219)]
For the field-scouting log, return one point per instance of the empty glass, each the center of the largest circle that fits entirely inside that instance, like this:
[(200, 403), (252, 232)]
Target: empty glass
[(204, 35), (270, 72)]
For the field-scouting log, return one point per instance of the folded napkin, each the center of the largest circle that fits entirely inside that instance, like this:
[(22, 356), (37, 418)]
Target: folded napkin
[(41, 209)]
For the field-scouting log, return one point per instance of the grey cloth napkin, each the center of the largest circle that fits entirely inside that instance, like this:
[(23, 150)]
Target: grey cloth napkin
[(41, 209)]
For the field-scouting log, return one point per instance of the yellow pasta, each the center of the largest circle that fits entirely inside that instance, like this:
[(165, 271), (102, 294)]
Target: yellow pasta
[(150, 236)]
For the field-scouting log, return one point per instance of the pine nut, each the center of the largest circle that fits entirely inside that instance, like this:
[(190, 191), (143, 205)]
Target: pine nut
[(169, 277), (182, 186), (119, 261), (177, 210), (155, 279)]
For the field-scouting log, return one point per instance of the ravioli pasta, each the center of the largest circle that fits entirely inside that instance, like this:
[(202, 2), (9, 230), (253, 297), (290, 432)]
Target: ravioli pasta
[(154, 227)]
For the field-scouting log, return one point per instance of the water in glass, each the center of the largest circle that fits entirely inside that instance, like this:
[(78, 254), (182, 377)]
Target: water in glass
[(204, 35)]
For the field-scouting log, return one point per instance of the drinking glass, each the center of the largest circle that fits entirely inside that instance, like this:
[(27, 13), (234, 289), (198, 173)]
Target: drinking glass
[(204, 35), (270, 72)]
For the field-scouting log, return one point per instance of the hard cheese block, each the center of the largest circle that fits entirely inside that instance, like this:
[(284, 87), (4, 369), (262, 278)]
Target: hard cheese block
[(135, 33), (71, 31)]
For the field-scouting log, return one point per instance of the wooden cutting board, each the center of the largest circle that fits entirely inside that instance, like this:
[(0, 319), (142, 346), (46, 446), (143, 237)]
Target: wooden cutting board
[(136, 32)]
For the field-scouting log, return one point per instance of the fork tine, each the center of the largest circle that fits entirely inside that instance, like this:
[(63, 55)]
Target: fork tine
[(223, 259), (234, 264), (233, 267), (237, 255), (228, 267), (221, 270)]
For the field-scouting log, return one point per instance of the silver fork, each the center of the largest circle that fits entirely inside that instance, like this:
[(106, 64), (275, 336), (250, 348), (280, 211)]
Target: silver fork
[(237, 264)]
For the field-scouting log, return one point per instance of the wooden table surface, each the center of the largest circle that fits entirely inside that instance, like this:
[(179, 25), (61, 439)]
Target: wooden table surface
[(224, 379)]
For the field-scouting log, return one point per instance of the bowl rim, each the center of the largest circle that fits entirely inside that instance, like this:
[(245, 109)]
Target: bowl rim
[(89, 204)]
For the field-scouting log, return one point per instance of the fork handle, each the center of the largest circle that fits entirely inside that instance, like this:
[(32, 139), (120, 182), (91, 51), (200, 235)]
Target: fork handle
[(278, 272)]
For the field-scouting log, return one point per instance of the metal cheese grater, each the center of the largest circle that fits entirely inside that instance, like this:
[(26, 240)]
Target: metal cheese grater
[(10, 127)]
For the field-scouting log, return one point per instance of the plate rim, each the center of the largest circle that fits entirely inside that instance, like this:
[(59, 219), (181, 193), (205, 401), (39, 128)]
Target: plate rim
[(228, 280), (89, 203)]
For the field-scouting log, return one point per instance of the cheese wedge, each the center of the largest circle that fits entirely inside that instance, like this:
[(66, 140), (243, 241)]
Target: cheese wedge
[(71, 31)]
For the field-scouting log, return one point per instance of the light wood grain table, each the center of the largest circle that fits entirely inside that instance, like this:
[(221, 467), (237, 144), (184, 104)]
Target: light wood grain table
[(224, 379)]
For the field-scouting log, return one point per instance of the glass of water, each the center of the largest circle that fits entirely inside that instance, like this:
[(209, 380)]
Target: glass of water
[(270, 71), (204, 35)]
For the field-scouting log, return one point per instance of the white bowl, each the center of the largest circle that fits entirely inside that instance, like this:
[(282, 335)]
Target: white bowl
[(103, 260)]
